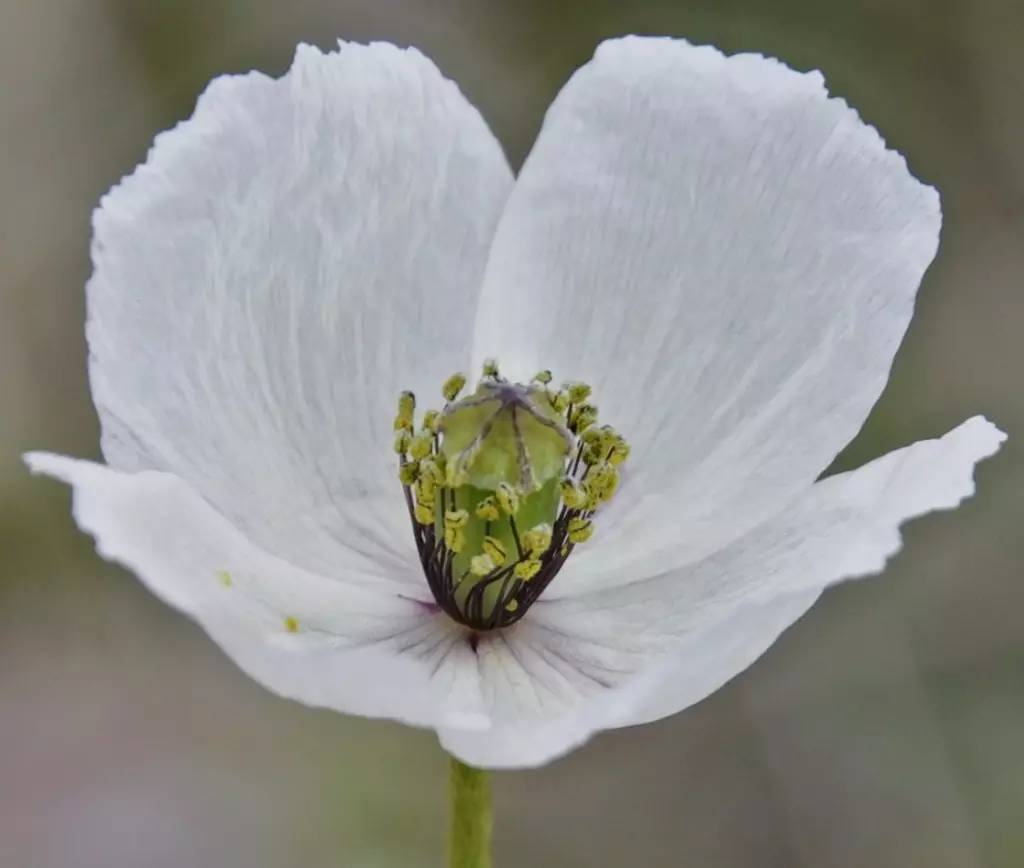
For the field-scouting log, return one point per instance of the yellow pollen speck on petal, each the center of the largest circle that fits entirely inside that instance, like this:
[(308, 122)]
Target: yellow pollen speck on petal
[(291, 624), (224, 577)]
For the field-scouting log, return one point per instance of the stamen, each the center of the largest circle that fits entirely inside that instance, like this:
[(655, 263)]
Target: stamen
[(406, 409), (452, 386), (487, 509), (508, 499), (501, 485), (537, 540), (495, 550), (420, 445), (580, 530)]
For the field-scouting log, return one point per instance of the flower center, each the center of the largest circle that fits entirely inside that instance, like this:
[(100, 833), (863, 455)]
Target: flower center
[(501, 486)]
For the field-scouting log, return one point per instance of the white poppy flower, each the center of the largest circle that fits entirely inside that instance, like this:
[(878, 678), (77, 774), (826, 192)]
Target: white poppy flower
[(726, 254)]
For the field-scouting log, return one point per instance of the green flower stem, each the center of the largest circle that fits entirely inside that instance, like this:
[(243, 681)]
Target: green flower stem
[(471, 817)]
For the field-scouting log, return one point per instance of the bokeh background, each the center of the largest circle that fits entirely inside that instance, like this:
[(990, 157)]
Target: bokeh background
[(885, 729)]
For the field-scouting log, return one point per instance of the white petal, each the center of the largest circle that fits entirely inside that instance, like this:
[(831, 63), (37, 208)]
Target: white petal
[(351, 643), (571, 667), (730, 257), (342, 642), (346, 643), (847, 526), (631, 689), (283, 264)]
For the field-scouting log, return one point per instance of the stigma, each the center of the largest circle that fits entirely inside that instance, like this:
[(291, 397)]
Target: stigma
[(501, 486)]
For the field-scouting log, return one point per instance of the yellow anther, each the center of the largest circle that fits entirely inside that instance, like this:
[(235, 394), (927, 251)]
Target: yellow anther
[(580, 530), (577, 392), (291, 624), (618, 452), (481, 565), (491, 368), (574, 495), (608, 444), (560, 402), (508, 498), (406, 410), (429, 469), (224, 577), (402, 441), (583, 417), (409, 472), (431, 420), (455, 538), (526, 570), (456, 518), (423, 513), (537, 539), (602, 481), (542, 377), (452, 386), (487, 509), (495, 550), (426, 491), (419, 446), (511, 606)]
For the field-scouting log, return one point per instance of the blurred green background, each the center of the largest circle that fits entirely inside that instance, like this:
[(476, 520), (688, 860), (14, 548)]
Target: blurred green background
[(885, 729)]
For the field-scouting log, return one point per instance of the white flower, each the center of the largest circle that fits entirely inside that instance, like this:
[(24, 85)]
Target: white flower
[(726, 254)]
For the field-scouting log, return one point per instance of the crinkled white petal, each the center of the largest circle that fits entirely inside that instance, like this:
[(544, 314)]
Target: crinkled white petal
[(283, 264), (660, 645), (630, 686), (572, 667), (730, 257), (352, 643)]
